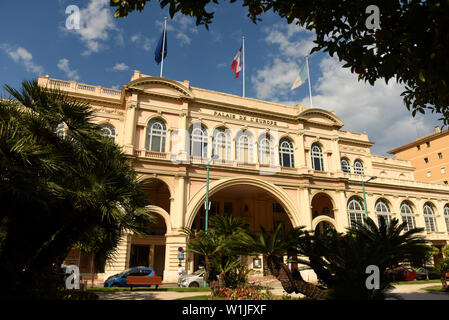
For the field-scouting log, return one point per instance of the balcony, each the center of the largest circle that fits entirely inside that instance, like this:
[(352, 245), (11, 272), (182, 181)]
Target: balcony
[(75, 87)]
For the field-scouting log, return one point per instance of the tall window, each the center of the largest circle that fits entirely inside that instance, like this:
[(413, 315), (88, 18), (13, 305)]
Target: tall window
[(446, 216), (222, 144), (317, 157), (407, 216), (286, 153), (108, 131), (156, 134), (198, 141), (356, 211), (266, 150), (345, 165), (429, 218), (245, 147), (358, 167), (382, 211)]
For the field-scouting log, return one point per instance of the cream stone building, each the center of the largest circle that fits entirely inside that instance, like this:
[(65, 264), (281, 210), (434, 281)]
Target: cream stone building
[(276, 163)]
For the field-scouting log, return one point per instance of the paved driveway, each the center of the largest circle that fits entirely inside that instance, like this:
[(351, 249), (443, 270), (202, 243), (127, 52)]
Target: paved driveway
[(406, 292), (415, 292)]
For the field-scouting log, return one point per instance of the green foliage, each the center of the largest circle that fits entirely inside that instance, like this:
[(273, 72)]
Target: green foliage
[(58, 190), (411, 46), (217, 245), (340, 260)]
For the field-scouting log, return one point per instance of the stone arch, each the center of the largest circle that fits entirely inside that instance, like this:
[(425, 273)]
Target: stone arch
[(155, 185), (316, 221), (320, 201), (198, 200), (162, 213), (156, 116)]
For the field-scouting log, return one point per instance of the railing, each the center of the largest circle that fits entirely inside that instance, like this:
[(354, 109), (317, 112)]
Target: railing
[(74, 86), (60, 83), (111, 91), (85, 87)]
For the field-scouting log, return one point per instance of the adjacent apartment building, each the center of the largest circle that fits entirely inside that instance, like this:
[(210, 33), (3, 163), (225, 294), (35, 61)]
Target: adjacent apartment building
[(276, 164), (429, 155)]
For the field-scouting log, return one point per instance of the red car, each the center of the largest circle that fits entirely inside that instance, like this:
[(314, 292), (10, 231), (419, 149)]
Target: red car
[(401, 273)]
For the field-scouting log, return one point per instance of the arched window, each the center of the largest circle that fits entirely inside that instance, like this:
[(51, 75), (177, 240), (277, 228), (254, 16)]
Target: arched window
[(382, 211), (244, 147), (198, 141), (356, 211), (286, 153), (156, 133), (358, 167), (407, 216), (429, 218), (108, 131), (266, 150), (446, 216), (345, 165), (317, 157), (222, 144)]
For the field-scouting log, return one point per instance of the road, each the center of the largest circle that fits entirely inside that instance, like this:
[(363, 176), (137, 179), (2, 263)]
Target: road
[(405, 292)]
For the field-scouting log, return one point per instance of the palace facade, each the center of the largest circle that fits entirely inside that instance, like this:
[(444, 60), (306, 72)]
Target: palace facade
[(274, 163)]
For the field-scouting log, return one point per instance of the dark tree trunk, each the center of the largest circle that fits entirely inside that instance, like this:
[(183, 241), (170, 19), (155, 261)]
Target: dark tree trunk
[(293, 282)]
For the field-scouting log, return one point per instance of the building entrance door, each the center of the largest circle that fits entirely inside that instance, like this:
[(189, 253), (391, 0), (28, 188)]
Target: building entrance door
[(140, 256)]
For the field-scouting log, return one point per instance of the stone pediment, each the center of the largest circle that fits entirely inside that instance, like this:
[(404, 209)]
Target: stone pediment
[(320, 116), (161, 87)]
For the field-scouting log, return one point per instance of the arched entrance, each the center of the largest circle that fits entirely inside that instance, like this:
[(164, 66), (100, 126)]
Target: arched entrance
[(322, 212), (255, 203), (149, 251)]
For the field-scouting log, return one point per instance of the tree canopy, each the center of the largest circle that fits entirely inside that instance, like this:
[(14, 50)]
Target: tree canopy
[(410, 46), (62, 183)]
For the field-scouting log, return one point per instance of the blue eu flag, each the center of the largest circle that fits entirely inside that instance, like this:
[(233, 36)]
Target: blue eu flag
[(158, 51)]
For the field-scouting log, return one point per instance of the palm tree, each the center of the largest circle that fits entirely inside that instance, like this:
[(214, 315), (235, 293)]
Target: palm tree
[(216, 245), (275, 246), (58, 188), (340, 260)]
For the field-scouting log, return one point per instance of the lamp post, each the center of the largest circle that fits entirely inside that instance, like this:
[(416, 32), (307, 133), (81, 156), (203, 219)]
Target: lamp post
[(207, 188), (364, 195), (207, 198)]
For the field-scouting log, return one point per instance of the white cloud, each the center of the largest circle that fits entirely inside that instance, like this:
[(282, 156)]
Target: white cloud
[(377, 110), (63, 65), (145, 42), (181, 26), (96, 24), (22, 56), (120, 67), (291, 44)]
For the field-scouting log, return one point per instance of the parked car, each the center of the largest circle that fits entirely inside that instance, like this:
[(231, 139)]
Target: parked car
[(432, 276), (401, 273), (119, 280), (195, 279)]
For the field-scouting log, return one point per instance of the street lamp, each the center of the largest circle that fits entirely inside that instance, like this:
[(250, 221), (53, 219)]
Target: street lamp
[(364, 195), (215, 156)]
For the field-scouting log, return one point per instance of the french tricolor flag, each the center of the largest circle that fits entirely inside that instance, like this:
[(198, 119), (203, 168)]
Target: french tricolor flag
[(237, 63)]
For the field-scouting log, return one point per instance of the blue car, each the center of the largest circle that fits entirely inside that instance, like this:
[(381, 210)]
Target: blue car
[(119, 280)]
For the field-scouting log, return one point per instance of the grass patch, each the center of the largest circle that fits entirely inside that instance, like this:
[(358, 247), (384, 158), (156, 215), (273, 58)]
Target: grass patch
[(435, 289), (195, 298), (149, 289), (415, 282)]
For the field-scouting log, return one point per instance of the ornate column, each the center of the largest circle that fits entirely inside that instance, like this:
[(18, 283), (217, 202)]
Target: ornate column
[(130, 124)]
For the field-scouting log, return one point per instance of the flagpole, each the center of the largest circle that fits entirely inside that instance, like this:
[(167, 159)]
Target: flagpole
[(244, 62), (308, 76), (163, 45)]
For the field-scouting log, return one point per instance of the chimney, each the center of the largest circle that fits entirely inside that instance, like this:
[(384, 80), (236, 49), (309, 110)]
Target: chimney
[(437, 129)]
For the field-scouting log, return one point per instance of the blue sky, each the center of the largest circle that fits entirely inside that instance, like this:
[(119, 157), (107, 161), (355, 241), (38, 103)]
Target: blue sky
[(105, 51)]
